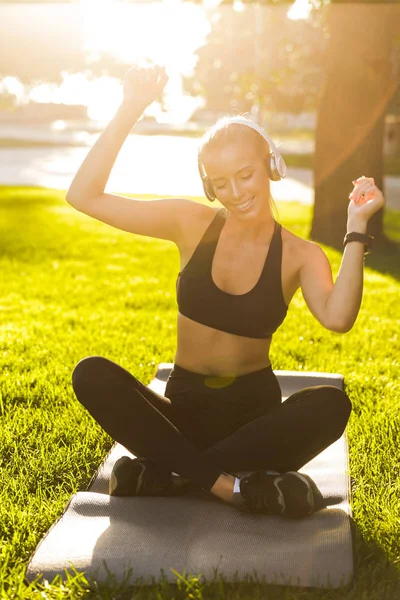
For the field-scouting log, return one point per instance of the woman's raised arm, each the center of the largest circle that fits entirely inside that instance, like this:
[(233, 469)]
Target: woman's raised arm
[(158, 218), (336, 305), (141, 88)]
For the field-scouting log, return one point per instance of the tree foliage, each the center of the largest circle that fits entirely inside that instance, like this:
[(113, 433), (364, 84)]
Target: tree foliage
[(259, 58)]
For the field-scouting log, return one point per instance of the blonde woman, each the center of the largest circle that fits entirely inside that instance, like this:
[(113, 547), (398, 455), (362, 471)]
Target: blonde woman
[(222, 426)]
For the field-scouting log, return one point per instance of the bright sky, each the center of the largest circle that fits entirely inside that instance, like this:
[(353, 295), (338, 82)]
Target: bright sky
[(299, 10), (168, 33)]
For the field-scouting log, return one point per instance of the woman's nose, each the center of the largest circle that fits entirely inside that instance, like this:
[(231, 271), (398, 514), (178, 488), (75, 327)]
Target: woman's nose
[(236, 192)]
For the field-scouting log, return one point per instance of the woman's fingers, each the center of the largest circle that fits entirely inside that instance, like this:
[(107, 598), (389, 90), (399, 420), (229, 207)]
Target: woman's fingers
[(144, 83), (366, 198), (360, 179), (144, 74), (360, 188), (163, 78), (364, 188)]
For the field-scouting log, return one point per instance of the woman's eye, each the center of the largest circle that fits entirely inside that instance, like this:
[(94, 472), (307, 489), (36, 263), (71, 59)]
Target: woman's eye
[(223, 185)]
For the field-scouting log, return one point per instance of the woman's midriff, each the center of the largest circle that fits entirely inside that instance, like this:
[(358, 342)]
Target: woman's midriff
[(202, 349)]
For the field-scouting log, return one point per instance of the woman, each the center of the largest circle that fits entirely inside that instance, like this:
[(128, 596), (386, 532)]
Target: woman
[(221, 425)]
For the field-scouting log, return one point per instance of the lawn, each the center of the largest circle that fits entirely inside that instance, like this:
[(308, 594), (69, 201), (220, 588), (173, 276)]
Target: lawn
[(72, 287)]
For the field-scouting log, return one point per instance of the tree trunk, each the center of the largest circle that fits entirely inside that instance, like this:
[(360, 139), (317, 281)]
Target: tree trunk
[(359, 85)]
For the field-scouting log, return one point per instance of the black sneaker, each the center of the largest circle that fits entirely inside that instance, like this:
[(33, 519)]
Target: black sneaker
[(290, 494), (142, 477)]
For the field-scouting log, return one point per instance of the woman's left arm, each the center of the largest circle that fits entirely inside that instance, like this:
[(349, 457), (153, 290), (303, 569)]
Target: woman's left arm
[(336, 305)]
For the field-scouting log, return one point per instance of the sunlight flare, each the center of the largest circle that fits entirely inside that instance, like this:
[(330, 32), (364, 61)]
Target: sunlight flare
[(299, 10), (166, 33)]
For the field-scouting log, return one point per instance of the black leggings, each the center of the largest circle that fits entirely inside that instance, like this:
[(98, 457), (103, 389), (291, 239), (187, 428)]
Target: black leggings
[(207, 425)]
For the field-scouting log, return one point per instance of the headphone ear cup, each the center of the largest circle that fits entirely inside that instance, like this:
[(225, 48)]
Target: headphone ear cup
[(270, 163), (208, 189), (207, 185), (267, 163)]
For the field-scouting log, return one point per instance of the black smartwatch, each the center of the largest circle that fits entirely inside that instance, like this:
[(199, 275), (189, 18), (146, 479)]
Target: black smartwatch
[(366, 239)]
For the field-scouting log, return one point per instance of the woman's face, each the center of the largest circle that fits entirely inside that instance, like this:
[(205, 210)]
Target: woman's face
[(239, 176)]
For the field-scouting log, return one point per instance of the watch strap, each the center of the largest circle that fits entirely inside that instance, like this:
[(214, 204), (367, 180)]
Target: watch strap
[(355, 236)]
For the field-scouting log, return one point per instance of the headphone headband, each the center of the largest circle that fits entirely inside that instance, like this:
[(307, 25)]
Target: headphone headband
[(257, 128)]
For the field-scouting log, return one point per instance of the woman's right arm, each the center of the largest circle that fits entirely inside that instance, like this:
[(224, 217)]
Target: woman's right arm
[(157, 218), (93, 174)]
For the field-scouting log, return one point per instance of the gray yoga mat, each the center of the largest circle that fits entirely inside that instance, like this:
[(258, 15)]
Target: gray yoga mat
[(198, 534)]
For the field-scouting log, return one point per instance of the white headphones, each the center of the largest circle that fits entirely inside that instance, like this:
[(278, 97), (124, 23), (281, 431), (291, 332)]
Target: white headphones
[(275, 164)]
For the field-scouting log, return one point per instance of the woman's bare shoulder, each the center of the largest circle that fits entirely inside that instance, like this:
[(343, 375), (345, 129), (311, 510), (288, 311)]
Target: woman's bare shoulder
[(202, 211), (196, 220), (298, 246), (297, 253)]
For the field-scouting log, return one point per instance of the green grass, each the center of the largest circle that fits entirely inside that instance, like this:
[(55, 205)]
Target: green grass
[(72, 287)]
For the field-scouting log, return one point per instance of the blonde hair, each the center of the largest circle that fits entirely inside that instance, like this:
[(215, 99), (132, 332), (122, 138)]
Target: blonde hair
[(227, 129)]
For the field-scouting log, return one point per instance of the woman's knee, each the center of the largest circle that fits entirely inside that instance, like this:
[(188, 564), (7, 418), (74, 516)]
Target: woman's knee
[(340, 400), (96, 376), (337, 405), (89, 369)]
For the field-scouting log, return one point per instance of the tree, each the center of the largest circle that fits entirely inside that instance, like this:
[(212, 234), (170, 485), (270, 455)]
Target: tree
[(258, 58), (360, 83)]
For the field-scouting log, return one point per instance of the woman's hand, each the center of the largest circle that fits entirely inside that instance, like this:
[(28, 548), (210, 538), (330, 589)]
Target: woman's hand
[(365, 199), (143, 85)]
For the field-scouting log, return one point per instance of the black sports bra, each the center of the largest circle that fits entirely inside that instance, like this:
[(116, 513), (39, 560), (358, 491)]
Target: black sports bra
[(256, 314)]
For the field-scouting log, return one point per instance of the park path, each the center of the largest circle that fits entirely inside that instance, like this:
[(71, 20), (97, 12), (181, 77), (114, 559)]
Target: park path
[(162, 165)]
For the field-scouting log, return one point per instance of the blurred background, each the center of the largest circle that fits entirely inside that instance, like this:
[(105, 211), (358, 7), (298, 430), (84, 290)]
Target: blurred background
[(322, 77)]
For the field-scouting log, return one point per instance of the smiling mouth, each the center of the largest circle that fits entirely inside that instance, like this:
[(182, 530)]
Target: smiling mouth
[(244, 205)]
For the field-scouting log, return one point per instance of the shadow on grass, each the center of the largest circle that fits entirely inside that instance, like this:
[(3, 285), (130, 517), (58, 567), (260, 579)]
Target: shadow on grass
[(385, 257)]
